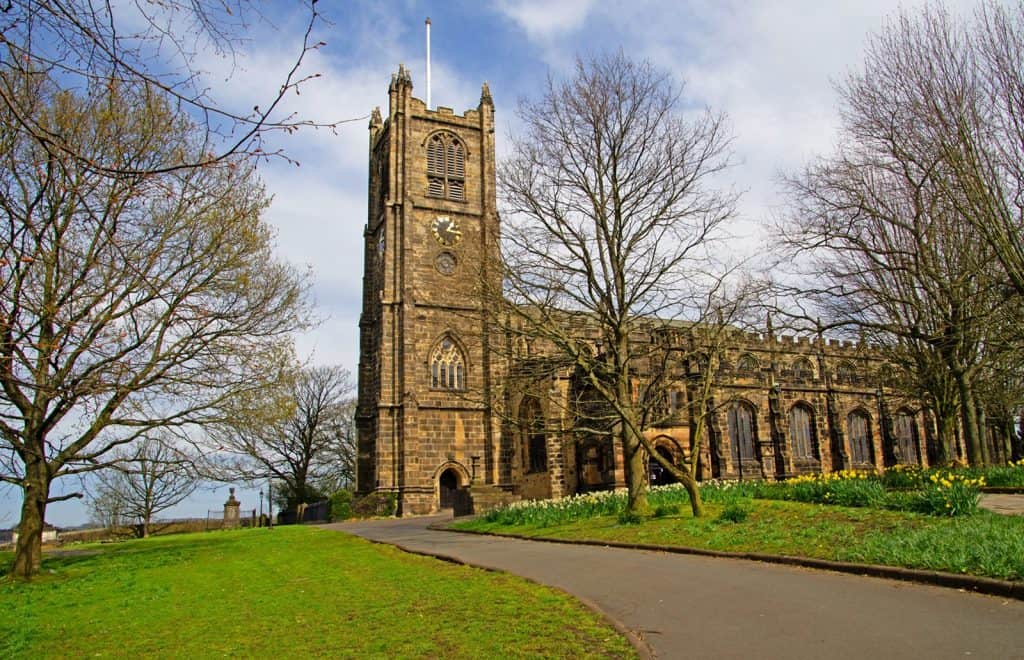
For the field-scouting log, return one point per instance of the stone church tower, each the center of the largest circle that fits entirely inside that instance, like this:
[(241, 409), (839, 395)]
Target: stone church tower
[(425, 420)]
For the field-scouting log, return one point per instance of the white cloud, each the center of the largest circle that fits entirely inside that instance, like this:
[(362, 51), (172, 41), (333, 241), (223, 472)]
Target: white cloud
[(547, 19)]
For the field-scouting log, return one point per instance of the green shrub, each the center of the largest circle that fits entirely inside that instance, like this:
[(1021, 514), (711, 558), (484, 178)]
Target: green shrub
[(374, 504), (341, 505), (734, 512)]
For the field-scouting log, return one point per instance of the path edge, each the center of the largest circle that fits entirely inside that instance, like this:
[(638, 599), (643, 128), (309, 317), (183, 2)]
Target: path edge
[(977, 584), (635, 639)]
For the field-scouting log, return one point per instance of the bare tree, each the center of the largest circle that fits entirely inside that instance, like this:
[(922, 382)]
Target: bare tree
[(105, 510), (300, 434), (890, 221), (610, 221), (85, 44), (342, 451), (126, 304), (149, 477), (975, 116)]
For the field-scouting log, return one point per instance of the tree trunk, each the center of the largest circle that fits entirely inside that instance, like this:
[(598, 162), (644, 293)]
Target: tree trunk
[(986, 454), (693, 489), (28, 553), (970, 421), (946, 423), (689, 477), (1008, 431), (636, 474)]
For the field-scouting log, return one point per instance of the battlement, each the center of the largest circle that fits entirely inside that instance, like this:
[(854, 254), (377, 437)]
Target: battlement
[(401, 85)]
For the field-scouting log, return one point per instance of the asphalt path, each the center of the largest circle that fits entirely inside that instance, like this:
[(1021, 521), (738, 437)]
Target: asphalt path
[(685, 606)]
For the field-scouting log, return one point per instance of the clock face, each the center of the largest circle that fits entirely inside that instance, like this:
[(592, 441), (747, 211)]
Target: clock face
[(446, 230)]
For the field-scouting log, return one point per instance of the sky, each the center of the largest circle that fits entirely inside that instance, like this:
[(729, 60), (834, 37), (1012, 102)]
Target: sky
[(770, 65)]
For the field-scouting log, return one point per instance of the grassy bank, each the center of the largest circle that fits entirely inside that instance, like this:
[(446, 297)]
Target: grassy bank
[(287, 592), (983, 544)]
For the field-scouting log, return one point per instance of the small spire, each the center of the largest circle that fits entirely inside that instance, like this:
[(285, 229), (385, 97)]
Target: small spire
[(485, 94), (375, 119), (400, 79)]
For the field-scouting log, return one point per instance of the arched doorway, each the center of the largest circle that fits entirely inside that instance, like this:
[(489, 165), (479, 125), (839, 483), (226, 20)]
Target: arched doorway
[(659, 475), (448, 486)]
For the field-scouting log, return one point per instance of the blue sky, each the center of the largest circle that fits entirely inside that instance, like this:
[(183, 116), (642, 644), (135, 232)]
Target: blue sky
[(768, 64)]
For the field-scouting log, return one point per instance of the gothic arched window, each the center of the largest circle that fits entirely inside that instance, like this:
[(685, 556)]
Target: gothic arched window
[(741, 432), (904, 431), (801, 432), (846, 372), (447, 366), (747, 363), (858, 431), (803, 369), (531, 420), (446, 167)]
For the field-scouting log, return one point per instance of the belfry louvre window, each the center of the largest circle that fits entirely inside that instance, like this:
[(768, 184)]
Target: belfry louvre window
[(447, 367), (446, 167)]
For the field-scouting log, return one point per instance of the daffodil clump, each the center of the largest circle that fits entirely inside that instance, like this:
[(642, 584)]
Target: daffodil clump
[(544, 513), (845, 488), (556, 511), (904, 477), (949, 493), (1010, 475)]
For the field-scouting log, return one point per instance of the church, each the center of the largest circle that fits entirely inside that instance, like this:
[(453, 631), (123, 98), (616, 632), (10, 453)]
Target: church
[(441, 422)]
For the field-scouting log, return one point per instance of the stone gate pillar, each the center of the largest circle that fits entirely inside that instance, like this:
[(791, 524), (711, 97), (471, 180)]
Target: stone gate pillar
[(231, 510)]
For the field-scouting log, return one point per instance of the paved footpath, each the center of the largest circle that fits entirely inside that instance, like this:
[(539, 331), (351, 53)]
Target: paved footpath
[(1006, 504), (686, 606)]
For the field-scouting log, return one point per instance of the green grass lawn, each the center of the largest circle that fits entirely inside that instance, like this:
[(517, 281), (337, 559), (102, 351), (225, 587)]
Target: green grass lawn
[(286, 592), (984, 544)]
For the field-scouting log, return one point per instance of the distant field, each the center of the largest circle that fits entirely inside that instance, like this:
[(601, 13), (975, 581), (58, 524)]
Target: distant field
[(286, 592)]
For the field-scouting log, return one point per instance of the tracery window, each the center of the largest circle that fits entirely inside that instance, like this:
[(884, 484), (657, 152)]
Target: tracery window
[(747, 363), (531, 420), (801, 432), (803, 369), (846, 372), (446, 167), (741, 432), (675, 402), (447, 366), (858, 432)]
